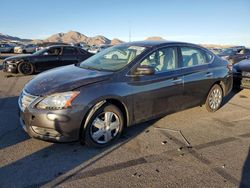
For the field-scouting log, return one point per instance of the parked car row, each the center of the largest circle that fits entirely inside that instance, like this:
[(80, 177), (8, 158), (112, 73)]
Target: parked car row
[(235, 54), (31, 48)]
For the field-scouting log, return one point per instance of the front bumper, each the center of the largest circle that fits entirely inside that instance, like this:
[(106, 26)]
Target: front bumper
[(10, 68), (55, 126)]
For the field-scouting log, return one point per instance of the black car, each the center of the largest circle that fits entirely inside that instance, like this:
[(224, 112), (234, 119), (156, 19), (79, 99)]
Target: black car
[(235, 54), (47, 58), (241, 72), (94, 100)]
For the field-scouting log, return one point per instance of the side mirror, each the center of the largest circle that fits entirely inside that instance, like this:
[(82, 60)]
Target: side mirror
[(45, 53), (144, 70)]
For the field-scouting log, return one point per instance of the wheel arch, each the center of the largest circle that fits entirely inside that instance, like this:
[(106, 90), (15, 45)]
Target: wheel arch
[(221, 84), (96, 105)]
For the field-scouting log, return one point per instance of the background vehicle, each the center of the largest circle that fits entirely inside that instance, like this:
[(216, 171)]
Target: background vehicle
[(215, 50), (96, 99), (235, 54), (82, 45), (48, 44), (241, 71), (45, 59), (93, 49), (104, 46), (6, 48), (29, 48)]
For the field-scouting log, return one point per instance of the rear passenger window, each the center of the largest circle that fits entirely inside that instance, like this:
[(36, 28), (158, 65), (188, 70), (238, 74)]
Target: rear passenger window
[(69, 51), (193, 56)]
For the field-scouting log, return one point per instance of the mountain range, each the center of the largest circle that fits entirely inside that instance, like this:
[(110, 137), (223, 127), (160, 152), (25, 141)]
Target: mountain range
[(6, 38), (77, 37), (69, 37)]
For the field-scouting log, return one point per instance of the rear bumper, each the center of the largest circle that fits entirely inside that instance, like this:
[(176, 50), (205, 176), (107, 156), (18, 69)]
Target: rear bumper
[(228, 84)]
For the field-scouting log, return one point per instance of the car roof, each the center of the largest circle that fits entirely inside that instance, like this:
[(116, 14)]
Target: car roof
[(62, 46), (157, 43)]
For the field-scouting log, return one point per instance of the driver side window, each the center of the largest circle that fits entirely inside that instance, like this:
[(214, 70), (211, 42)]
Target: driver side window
[(53, 51), (162, 60)]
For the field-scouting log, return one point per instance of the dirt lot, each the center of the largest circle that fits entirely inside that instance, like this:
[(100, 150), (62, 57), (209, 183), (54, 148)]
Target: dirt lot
[(144, 156)]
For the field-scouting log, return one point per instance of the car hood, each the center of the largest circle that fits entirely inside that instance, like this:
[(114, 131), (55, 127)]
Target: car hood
[(243, 65), (17, 57), (64, 79)]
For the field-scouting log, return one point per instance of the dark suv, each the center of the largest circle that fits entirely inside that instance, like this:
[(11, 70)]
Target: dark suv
[(95, 100)]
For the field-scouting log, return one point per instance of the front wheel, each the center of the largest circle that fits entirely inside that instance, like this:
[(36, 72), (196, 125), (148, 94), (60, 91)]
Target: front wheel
[(104, 127), (25, 68), (214, 98)]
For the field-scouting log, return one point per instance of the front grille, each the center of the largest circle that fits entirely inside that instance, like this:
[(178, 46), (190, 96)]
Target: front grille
[(25, 100)]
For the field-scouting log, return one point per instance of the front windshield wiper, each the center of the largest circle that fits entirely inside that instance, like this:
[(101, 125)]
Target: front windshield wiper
[(94, 68)]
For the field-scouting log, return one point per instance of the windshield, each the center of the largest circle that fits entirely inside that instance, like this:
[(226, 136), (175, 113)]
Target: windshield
[(113, 58)]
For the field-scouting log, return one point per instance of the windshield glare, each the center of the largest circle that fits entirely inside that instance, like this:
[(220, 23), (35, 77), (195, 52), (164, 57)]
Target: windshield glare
[(113, 58)]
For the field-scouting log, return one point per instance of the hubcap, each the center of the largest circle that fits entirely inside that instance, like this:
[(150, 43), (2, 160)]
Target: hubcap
[(26, 68), (105, 127), (215, 99)]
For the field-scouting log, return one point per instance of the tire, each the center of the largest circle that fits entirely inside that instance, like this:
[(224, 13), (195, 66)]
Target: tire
[(106, 135), (25, 68), (214, 98)]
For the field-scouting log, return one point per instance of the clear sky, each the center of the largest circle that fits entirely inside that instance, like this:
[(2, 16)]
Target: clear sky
[(197, 21)]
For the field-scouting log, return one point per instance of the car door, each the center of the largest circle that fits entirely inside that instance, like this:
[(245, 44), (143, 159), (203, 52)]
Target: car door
[(161, 92), (69, 56), (49, 59), (198, 74)]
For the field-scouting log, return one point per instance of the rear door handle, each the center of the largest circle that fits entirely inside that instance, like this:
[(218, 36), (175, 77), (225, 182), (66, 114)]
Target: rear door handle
[(209, 74)]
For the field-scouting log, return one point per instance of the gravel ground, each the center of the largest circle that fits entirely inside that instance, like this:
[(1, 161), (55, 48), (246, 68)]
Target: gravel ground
[(143, 157)]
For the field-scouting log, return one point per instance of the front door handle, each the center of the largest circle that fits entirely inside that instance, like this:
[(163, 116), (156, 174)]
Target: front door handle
[(209, 74), (176, 80)]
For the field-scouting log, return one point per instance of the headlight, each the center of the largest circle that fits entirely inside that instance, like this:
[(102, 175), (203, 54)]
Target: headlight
[(58, 101)]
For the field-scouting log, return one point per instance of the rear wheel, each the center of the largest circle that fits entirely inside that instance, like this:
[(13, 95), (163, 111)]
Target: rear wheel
[(26, 68), (104, 127), (214, 98)]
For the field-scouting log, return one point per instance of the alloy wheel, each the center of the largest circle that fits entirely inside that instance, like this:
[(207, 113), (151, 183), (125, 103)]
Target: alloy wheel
[(215, 98), (105, 127)]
